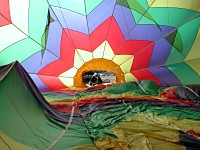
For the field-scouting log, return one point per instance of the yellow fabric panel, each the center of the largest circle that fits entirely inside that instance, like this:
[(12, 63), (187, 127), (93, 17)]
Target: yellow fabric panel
[(69, 73), (195, 65), (120, 59), (84, 147), (78, 62), (67, 81), (84, 55), (107, 143), (109, 95), (58, 101), (194, 52), (98, 52), (140, 142), (186, 4), (126, 66), (130, 77), (149, 131), (12, 143), (108, 53), (150, 2)]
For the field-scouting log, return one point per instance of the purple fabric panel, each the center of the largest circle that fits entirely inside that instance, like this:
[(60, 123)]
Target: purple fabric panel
[(150, 32), (54, 38), (146, 32), (160, 53), (75, 21), (119, 16), (100, 14), (71, 20), (58, 13), (166, 30), (125, 20), (130, 21), (52, 14), (41, 86), (33, 64), (165, 76)]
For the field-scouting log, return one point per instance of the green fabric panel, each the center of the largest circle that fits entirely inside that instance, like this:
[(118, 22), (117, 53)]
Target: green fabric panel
[(178, 44), (143, 3), (184, 41), (24, 121), (148, 86), (133, 4), (122, 3), (22, 50), (21, 118), (188, 33), (123, 88), (38, 12), (174, 57), (91, 4), (156, 13), (44, 40), (58, 96), (140, 7), (88, 93), (145, 20), (76, 135), (137, 16), (174, 17), (72, 5), (184, 73), (171, 37), (44, 37), (100, 122), (55, 97)]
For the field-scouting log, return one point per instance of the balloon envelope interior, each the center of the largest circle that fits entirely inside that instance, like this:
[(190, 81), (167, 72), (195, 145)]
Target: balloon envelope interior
[(57, 41)]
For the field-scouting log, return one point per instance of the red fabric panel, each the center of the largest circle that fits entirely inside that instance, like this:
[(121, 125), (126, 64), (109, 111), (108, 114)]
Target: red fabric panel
[(145, 74), (122, 46), (100, 34), (5, 18), (64, 108), (132, 47), (54, 69), (52, 82), (192, 132), (142, 58), (80, 40), (94, 100), (169, 94), (67, 49), (115, 37)]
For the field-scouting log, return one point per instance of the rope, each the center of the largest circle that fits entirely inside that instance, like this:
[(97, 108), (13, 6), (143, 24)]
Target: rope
[(66, 128)]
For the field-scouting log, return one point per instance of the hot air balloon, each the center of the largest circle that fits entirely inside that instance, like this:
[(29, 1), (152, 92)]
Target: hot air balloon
[(149, 45)]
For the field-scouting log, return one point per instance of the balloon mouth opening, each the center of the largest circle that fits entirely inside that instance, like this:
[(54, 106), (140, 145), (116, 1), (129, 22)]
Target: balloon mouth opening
[(99, 65), (98, 77)]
